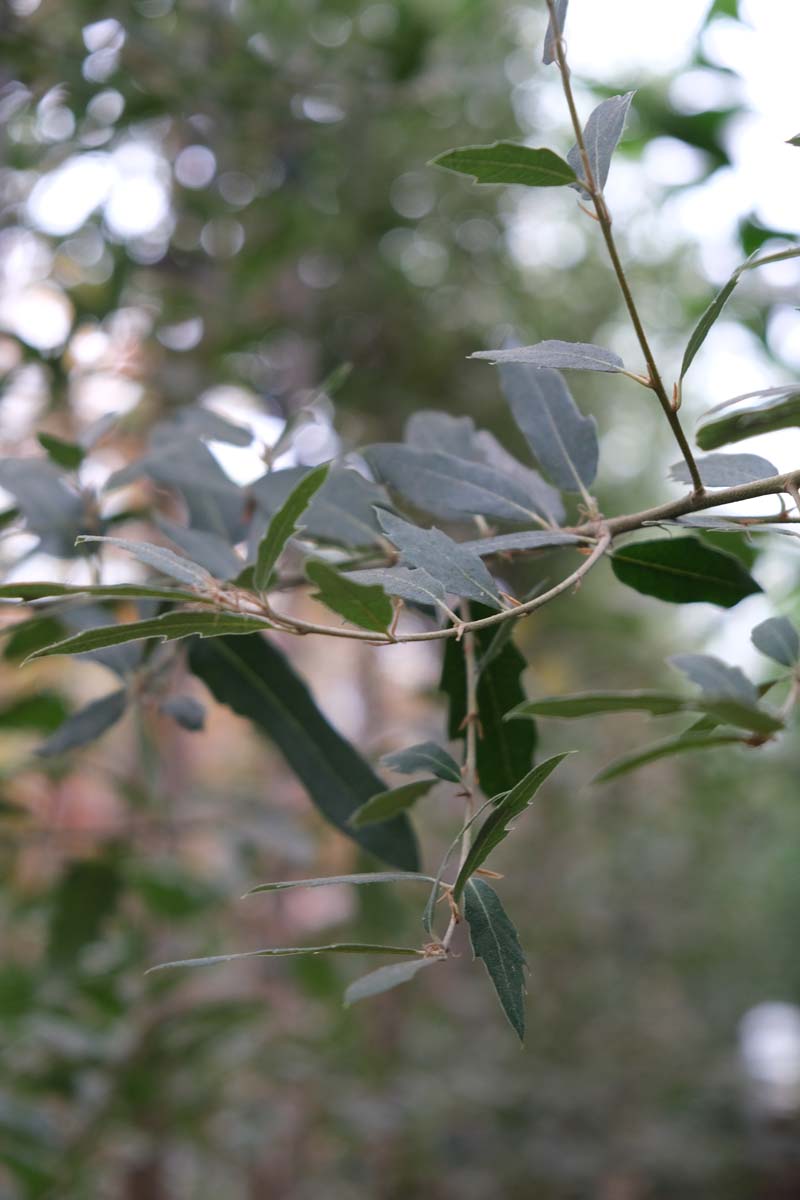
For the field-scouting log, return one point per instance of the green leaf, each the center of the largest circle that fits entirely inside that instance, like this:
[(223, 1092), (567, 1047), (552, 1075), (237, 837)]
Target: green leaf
[(83, 900), (42, 711), (704, 325), (114, 591), (683, 744), (495, 828), (362, 604), (331, 880), (793, 141), (287, 951), (388, 804), (166, 628), (780, 413), (495, 940), (63, 454), (255, 679), (505, 750), (683, 570), (589, 704), (386, 978), (507, 162), (425, 756), (284, 525), (777, 638)]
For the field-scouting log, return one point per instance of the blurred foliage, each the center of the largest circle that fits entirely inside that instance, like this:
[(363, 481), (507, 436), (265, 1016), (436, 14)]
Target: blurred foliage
[(655, 913)]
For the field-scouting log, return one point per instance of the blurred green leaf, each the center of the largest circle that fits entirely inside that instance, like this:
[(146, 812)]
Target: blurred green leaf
[(682, 570), (385, 978), (388, 804), (364, 605), (83, 900)]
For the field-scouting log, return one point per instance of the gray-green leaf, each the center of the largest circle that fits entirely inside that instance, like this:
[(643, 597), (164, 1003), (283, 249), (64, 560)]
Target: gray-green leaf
[(777, 638), (552, 34), (386, 805), (425, 756), (409, 583), (508, 162), (715, 677), (460, 571), (166, 628), (725, 470), (683, 744), (362, 604), (590, 704), (159, 557), (283, 525), (495, 940), (573, 356), (780, 413), (601, 135), (563, 441), (386, 978), (86, 725), (331, 880), (286, 951)]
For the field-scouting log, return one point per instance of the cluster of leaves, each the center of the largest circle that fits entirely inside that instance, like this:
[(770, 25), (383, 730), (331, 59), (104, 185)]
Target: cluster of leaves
[(366, 544)]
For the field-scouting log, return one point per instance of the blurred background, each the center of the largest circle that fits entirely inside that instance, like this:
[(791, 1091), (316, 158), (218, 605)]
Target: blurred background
[(223, 201)]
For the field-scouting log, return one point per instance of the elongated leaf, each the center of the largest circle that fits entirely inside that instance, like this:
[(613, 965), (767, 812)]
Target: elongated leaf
[(211, 426), (683, 570), (257, 682), (63, 454), (589, 704), (52, 510), (726, 470), (454, 488), (508, 162), (285, 952), (114, 591), (793, 141), (42, 711), (409, 583), (552, 34), (166, 628), (283, 525), (342, 511), (715, 677), (495, 828), (707, 320), (495, 940), (731, 711), (742, 525), (505, 751), (601, 135), (159, 557), (782, 391), (331, 880), (365, 605), (386, 978), (458, 570), (683, 744), (86, 725), (186, 711), (573, 356), (777, 638), (386, 805), (210, 550), (426, 756), (563, 441), (432, 430), (781, 413), (530, 539)]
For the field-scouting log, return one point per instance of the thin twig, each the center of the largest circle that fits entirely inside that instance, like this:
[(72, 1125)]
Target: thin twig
[(604, 220)]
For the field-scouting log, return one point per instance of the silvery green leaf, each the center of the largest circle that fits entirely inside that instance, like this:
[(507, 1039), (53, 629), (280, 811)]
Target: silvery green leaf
[(715, 677), (781, 391), (781, 413), (552, 34), (341, 511), (574, 356), (211, 551), (458, 570), (777, 638), (386, 978), (725, 470), (53, 511), (189, 713), (167, 628), (726, 525), (159, 557), (495, 940), (86, 725), (563, 441), (409, 583), (601, 135), (529, 539), (330, 880), (426, 756), (452, 488), (210, 425), (684, 743), (547, 499), (288, 951), (429, 430)]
